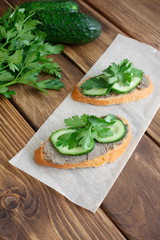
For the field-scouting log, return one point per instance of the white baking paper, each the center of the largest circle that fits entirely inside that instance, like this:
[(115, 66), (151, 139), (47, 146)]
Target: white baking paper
[(88, 187)]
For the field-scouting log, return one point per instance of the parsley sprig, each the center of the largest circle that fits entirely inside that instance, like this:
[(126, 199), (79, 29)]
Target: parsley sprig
[(87, 127), (123, 73), (23, 54)]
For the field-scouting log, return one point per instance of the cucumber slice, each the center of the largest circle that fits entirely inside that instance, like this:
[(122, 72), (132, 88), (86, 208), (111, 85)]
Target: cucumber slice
[(95, 91), (121, 88), (119, 130), (65, 150)]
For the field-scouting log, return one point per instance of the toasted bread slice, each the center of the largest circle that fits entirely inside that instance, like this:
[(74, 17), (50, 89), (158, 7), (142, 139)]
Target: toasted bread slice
[(134, 95), (47, 156)]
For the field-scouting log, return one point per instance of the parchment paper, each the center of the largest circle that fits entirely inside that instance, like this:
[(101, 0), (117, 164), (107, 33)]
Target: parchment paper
[(88, 187)]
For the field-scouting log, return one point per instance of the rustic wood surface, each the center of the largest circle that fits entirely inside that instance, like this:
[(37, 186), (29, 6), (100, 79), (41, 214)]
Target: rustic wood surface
[(139, 19), (30, 209)]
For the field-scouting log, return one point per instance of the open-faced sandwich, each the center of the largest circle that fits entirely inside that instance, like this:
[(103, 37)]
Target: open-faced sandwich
[(119, 83), (89, 141)]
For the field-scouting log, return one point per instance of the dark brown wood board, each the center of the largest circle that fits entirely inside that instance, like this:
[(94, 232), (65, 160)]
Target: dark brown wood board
[(154, 128), (133, 202), (31, 210), (15, 131), (85, 58), (37, 106), (138, 19), (122, 199)]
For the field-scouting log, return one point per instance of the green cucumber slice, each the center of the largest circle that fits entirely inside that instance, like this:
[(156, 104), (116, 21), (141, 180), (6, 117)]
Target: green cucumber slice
[(65, 150), (121, 88), (119, 131), (95, 91)]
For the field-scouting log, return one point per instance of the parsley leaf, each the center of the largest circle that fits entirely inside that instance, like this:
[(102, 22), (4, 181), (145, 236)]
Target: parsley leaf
[(68, 139), (76, 121), (103, 131), (110, 118), (96, 82), (123, 73), (5, 76), (85, 137), (94, 121), (24, 53), (6, 92), (49, 84), (86, 127)]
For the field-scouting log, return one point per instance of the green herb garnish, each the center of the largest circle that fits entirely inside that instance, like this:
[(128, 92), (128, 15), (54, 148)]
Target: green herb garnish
[(123, 73), (87, 127), (23, 53)]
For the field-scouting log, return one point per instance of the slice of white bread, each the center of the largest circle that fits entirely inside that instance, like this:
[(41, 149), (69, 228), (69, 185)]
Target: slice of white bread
[(106, 153), (134, 95)]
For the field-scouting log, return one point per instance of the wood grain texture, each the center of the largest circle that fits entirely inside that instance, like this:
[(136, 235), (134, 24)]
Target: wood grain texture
[(37, 106), (15, 137), (133, 202), (3, 7), (154, 128), (139, 19), (87, 55), (31, 210), (84, 57)]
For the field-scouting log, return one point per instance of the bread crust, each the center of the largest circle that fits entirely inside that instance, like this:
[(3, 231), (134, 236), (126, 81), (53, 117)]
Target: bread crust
[(108, 157), (135, 95)]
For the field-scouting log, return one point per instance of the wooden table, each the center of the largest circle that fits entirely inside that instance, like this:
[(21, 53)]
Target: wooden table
[(131, 210)]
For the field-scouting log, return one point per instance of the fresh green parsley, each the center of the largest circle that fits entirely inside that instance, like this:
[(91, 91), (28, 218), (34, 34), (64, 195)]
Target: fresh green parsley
[(123, 73), (23, 53), (87, 127)]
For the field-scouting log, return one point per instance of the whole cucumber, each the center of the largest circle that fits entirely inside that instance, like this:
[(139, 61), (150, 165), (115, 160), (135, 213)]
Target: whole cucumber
[(57, 5), (68, 28)]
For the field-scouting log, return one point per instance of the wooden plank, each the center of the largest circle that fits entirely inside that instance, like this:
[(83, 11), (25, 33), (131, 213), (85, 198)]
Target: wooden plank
[(15, 132), (30, 209), (27, 214), (37, 106), (86, 55), (82, 55), (3, 7), (105, 238), (154, 128), (133, 202), (138, 19)]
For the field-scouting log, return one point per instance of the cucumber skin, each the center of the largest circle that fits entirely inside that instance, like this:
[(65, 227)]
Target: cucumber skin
[(69, 28), (71, 154), (115, 90), (118, 139), (121, 92), (100, 94), (61, 6)]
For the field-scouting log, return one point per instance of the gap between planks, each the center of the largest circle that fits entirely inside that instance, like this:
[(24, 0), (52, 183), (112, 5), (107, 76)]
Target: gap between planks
[(25, 117), (152, 138), (22, 113), (75, 64), (10, 5), (110, 20), (114, 222)]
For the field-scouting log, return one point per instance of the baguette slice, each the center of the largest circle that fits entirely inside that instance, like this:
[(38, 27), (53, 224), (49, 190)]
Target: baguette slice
[(132, 96), (87, 160)]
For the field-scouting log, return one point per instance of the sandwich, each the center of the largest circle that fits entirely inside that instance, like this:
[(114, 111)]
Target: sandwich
[(87, 141), (119, 83)]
